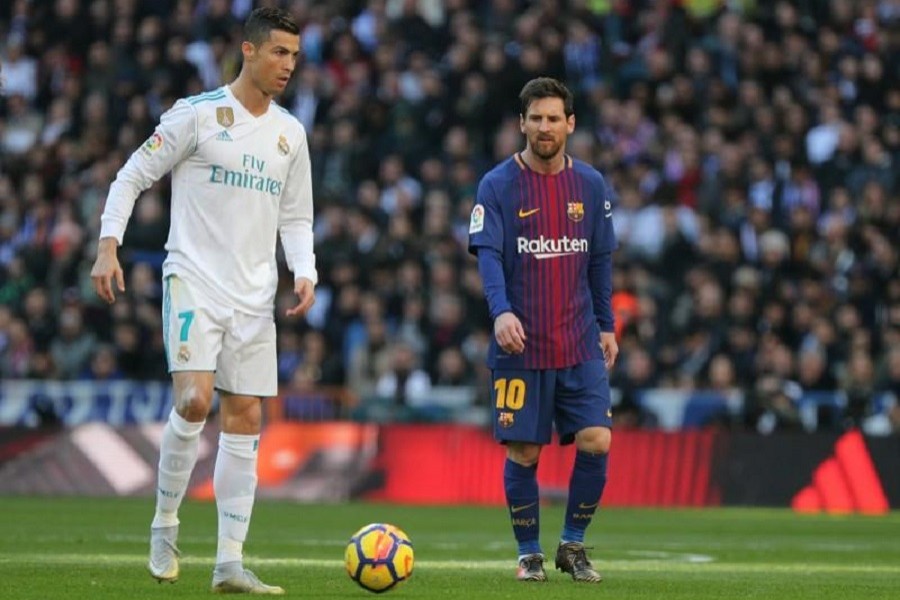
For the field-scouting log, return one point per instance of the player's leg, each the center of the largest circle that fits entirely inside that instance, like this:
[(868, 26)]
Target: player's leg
[(584, 408), (192, 340), (247, 373), (587, 482), (523, 502), (524, 424)]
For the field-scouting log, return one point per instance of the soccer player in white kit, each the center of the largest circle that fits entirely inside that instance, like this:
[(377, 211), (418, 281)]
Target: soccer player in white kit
[(240, 176)]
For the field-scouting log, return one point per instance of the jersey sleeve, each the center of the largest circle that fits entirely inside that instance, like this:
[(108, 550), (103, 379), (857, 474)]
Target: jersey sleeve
[(486, 222), (173, 140), (600, 267), (295, 217), (604, 233)]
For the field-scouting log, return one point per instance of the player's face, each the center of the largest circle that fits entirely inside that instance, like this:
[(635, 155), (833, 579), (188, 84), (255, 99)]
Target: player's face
[(273, 62), (546, 127)]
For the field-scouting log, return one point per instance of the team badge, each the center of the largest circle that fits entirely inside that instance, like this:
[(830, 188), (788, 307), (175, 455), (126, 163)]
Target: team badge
[(476, 224), (575, 210), (184, 355), (224, 116), (506, 419), (283, 147), (153, 143)]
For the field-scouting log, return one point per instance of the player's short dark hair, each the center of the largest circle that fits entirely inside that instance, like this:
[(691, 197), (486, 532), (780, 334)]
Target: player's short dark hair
[(262, 21), (546, 87)]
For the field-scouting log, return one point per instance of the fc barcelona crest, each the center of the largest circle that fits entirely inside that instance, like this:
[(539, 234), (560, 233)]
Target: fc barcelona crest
[(505, 419), (575, 210), (225, 116)]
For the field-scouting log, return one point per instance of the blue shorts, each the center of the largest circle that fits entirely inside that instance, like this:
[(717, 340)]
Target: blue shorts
[(528, 402)]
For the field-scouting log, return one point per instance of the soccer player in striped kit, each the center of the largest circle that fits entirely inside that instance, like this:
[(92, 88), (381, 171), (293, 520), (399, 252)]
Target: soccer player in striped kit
[(542, 231), (240, 177)]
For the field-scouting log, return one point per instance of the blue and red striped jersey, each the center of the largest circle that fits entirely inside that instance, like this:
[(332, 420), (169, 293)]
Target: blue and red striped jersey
[(549, 231)]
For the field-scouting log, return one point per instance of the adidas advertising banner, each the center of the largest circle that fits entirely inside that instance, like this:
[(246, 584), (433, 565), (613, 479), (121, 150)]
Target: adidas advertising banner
[(341, 460)]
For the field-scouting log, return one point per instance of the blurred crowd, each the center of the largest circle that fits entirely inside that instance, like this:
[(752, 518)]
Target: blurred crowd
[(752, 146)]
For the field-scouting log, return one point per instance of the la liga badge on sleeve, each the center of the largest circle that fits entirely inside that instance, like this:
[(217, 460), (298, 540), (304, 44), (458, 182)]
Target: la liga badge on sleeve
[(476, 224)]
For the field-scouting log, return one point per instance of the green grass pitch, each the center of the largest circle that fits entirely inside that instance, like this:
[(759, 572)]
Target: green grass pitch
[(91, 548)]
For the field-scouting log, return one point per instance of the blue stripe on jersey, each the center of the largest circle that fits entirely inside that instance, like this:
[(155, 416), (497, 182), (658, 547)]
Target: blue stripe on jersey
[(166, 308), (207, 93), (206, 97)]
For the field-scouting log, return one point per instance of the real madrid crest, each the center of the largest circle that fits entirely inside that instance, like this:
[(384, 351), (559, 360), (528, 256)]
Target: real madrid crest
[(225, 116), (283, 147), (575, 210), (184, 354)]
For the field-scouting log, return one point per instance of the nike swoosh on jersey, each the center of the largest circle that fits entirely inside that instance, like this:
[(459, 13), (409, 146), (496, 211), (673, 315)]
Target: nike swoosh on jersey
[(527, 213), (515, 509), (587, 506)]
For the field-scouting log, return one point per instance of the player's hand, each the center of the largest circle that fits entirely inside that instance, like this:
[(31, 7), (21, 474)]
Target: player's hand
[(509, 333), (105, 269), (306, 296), (610, 348)]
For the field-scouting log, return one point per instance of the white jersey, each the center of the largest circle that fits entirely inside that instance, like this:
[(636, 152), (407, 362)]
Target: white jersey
[(237, 180)]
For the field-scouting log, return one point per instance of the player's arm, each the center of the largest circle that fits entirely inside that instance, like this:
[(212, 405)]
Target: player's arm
[(174, 138), (486, 242), (507, 328), (600, 279), (295, 225)]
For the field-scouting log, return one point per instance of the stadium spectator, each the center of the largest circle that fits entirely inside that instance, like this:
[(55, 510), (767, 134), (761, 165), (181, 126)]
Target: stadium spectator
[(404, 383), (73, 348), (104, 365)]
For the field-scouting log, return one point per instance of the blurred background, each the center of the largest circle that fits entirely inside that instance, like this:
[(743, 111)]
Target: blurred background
[(753, 148)]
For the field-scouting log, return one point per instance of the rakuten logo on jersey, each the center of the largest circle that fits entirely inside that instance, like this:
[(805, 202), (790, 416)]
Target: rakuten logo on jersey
[(544, 247)]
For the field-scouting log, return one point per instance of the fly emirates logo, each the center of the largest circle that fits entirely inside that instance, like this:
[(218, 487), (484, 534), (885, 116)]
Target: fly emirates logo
[(544, 247)]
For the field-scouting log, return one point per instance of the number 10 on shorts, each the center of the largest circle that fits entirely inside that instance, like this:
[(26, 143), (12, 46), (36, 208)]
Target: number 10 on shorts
[(509, 393)]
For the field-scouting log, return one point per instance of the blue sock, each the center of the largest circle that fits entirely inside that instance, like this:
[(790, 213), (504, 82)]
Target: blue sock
[(585, 491), (523, 502)]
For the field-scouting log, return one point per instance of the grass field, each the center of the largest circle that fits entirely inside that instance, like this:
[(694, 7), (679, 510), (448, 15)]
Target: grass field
[(95, 549)]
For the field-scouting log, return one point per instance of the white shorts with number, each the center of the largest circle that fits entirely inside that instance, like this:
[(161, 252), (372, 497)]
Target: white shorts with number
[(202, 335)]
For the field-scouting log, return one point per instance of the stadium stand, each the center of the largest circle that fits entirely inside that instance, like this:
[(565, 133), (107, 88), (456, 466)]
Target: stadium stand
[(753, 147)]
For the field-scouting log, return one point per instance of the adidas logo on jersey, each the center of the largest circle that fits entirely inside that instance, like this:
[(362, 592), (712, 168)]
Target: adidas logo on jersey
[(224, 137)]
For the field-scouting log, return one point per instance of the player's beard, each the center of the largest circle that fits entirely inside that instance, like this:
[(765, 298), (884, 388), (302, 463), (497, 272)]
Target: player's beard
[(544, 150)]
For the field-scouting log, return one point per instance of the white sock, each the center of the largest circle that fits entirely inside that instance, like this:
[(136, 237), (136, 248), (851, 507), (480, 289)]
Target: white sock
[(177, 456), (234, 482)]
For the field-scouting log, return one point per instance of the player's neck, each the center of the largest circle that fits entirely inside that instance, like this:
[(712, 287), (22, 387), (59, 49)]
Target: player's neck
[(254, 99), (544, 166)]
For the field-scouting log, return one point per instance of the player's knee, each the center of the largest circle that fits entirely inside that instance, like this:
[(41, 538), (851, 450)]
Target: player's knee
[(241, 415), (193, 400), (596, 440), (526, 455)]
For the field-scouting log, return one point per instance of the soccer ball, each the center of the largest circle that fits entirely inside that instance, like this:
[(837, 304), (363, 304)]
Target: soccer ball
[(378, 557)]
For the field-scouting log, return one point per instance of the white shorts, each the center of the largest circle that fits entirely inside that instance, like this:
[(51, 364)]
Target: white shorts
[(202, 335)]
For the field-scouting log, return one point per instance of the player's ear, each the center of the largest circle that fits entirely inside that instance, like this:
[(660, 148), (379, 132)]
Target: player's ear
[(521, 122), (248, 49), (570, 124)]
